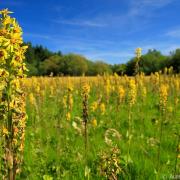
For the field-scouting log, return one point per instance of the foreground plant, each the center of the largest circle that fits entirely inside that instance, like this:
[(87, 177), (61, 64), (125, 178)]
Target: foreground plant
[(163, 99), (12, 98), (85, 97), (132, 95), (138, 53), (85, 116), (110, 164)]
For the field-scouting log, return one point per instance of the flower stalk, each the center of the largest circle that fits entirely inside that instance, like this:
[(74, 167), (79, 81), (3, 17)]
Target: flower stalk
[(12, 102)]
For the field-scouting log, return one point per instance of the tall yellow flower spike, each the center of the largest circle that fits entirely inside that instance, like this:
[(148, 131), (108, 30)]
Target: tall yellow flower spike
[(132, 92), (12, 98), (138, 53), (163, 97)]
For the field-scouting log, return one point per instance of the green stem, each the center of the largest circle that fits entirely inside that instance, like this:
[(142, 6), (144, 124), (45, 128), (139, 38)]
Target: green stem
[(177, 151), (160, 139), (129, 133)]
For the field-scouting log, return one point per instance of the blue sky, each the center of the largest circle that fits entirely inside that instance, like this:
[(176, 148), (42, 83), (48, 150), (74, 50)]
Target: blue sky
[(108, 30)]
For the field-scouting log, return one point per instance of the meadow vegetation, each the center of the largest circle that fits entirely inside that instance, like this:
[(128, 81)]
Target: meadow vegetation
[(132, 127)]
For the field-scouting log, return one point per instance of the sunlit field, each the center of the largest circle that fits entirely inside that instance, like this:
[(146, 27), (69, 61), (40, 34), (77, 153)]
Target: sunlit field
[(132, 127)]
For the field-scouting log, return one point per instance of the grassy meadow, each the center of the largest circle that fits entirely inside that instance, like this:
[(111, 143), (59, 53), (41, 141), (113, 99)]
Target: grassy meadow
[(132, 129)]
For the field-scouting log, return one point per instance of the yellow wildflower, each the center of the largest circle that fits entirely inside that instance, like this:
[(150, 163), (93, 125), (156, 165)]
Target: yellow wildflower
[(64, 102), (5, 131), (132, 92), (144, 92), (121, 93), (138, 52), (68, 116), (15, 142), (3, 56), (21, 148), (32, 99), (94, 106), (102, 108), (5, 12), (163, 96), (94, 122)]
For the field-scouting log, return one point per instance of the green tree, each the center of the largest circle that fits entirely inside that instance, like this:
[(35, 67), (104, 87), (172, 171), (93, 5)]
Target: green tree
[(51, 65), (130, 67), (74, 64), (119, 68), (153, 61), (175, 60), (101, 67)]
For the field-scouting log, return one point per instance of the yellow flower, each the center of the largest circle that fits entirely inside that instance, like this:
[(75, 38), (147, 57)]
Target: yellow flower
[(102, 108), (116, 75), (3, 32), (165, 70), (21, 147), (132, 92), (107, 88), (3, 56), (70, 87), (94, 122), (70, 101), (144, 92), (94, 106), (138, 52), (7, 21), (5, 12), (121, 93), (16, 130), (17, 29), (15, 141), (64, 101), (163, 96), (85, 96), (32, 100), (86, 89), (68, 116), (3, 73), (5, 131), (12, 69), (37, 89)]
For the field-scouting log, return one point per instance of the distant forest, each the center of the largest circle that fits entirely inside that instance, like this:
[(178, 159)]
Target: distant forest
[(43, 62)]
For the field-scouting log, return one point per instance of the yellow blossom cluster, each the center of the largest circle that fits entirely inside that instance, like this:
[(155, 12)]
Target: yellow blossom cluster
[(94, 106), (12, 102), (132, 92), (85, 96), (163, 97), (107, 88), (138, 52), (144, 93), (121, 94), (102, 108), (94, 122)]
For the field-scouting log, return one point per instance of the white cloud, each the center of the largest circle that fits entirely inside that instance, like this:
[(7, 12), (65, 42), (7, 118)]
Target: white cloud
[(36, 35), (146, 7), (101, 55), (174, 33), (89, 23)]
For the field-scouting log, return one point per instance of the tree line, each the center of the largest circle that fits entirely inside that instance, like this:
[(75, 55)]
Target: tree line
[(43, 62)]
